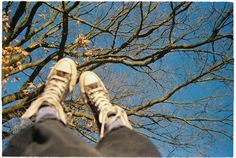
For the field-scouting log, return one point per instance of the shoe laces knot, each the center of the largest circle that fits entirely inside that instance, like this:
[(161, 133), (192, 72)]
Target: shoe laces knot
[(53, 94), (101, 100)]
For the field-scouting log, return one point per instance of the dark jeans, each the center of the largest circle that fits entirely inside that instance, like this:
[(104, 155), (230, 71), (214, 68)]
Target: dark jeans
[(52, 138)]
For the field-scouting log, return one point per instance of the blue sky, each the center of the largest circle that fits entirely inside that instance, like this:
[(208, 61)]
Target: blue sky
[(222, 145)]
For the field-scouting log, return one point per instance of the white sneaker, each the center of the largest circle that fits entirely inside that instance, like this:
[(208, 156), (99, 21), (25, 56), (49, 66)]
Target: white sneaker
[(95, 94), (61, 79)]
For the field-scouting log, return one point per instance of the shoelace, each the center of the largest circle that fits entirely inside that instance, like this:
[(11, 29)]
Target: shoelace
[(53, 94), (56, 87), (101, 101)]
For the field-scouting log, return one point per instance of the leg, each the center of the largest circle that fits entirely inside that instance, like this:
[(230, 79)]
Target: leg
[(118, 137), (48, 138), (126, 143)]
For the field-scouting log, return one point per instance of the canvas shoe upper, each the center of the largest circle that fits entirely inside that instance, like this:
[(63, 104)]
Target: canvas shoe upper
[(61, 79), (94, 93)]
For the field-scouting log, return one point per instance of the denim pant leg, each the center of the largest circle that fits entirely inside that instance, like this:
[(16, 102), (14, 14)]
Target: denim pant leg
[(123, 142), (48, 138)]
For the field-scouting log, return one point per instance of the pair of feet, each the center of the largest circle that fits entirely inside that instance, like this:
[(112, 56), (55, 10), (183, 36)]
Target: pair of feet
[(62, 79)]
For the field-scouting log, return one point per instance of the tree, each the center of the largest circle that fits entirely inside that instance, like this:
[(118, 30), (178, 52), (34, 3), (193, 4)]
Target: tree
[(168, 64)]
